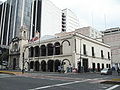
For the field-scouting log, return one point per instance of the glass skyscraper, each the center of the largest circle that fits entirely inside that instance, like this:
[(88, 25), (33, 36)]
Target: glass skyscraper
[(13, 15)]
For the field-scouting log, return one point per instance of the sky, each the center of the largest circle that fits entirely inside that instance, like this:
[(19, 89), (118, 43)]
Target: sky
[(100, 14)]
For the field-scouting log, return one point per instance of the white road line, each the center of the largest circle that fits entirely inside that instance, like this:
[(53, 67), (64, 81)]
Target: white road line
[(56, 85), (113, 87)]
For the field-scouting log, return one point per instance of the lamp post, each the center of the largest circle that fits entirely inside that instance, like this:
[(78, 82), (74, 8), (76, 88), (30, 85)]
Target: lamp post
[(79, 63), (23, 56)]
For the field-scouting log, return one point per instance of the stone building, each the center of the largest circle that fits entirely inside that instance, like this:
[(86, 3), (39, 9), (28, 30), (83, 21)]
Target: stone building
[(70, 51), (16, 50)]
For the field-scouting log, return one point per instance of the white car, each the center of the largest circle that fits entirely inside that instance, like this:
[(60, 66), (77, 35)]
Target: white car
[(106, 71)]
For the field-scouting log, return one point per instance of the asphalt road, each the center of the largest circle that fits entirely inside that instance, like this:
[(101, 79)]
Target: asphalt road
[(56, 81)]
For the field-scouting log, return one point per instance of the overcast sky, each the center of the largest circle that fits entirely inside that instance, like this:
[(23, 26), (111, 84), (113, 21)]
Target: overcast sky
[(99, 14)]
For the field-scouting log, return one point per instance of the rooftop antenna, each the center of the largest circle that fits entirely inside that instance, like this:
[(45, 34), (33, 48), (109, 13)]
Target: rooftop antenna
[(105, 19), (92, 19)]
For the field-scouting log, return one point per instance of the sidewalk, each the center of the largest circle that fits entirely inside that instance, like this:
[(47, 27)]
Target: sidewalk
[(11, 72)]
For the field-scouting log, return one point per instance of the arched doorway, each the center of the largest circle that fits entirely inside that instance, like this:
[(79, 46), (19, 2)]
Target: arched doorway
[(98, 67), (93, 67), (14, 63), (66, 65), (43, 65), (50, 65), (57, 63), (37, 65), (32, 65)]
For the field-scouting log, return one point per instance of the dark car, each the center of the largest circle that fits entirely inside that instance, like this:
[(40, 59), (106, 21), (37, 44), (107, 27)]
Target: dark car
[(106, 71)]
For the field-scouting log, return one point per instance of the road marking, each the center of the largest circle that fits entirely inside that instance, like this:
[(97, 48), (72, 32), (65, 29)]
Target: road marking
[(113, 87), (57, 85), (5, 76)]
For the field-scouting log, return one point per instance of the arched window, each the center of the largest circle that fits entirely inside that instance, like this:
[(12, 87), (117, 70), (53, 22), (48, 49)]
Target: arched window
[(31, 51), (37, 51), (43, 50), (50, 49), (57, 48)]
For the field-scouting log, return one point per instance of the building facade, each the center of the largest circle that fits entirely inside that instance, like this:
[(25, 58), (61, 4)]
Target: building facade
[(90, 32), (16, 49), (70, 51), (45, 17), (13, 15), (70, 21), (37, 15), (112, 38)]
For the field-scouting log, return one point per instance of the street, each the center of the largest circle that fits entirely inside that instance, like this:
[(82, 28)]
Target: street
[(56, 81)]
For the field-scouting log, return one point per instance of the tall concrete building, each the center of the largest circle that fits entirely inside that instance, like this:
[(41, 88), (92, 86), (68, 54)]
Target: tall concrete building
[(70, 21), (13, 15), (46, 18), (112, 38), (37, 15)]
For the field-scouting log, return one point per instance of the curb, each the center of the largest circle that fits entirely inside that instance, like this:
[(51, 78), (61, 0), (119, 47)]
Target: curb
[(113, 81), (11, 73)]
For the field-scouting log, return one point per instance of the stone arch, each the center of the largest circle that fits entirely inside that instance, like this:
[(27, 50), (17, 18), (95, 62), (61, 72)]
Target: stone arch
[(37, 51), (32, 65), (43, 50), (50, 49), (65, 47), (66, 64), (43, 65), (37, 65), (66, 41), (50, 64), (65, 60), (57, 63), (57, 48)]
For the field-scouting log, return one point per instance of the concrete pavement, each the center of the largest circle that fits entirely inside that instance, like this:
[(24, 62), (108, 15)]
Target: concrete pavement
[(37, 74)]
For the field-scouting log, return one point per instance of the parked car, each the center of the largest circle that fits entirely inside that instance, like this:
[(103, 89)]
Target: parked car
[(106, 71)]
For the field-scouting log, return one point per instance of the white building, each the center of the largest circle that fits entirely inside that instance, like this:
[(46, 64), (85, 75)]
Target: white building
[(70, 21), (90, 32), (112, 38), (73, 50), (46, 18)]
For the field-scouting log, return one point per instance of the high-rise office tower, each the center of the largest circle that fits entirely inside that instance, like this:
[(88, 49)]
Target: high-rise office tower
[(37, 15), (46, 18), (13, 15), (70, 21)]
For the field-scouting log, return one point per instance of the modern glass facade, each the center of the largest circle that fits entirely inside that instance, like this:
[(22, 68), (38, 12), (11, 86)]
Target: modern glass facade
[(13, 15), (37, 15)]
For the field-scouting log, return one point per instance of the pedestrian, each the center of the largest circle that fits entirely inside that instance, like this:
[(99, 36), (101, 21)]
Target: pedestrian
[(118, 71), (59, 69), (22, 71)]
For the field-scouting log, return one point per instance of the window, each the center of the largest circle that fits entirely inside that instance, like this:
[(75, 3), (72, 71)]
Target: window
[(102, 56), (93, 54), (84, 49), (108, 55)]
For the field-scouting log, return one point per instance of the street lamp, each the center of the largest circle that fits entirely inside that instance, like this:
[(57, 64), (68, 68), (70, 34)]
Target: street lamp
[(23, 55)]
